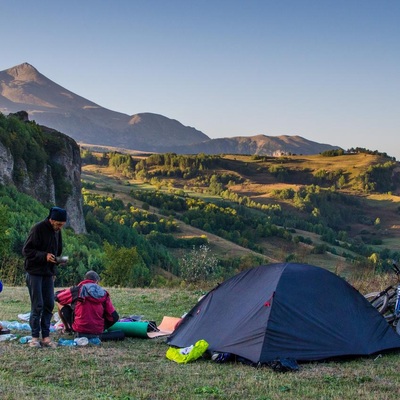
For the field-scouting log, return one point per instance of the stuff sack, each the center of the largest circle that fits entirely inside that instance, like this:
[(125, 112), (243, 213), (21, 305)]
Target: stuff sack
[(186, 354)]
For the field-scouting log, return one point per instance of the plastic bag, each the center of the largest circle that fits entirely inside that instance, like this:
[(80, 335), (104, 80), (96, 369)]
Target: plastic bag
[(186, 354), (9, 336)]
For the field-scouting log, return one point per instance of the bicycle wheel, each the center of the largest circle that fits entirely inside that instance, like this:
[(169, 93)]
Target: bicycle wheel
[(389, 313), (379, 301), (391, 292)]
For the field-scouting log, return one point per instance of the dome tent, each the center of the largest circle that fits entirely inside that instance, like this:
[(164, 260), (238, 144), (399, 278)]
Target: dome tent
[(280, 311)]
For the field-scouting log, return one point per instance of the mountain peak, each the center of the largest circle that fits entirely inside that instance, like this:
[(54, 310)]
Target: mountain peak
[(23, 87), (24, 72)]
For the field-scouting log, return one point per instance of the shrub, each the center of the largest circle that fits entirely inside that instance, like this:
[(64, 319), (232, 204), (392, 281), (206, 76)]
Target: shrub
[(198, 264)]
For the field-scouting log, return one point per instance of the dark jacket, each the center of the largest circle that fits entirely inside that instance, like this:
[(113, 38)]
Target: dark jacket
[(42, 239)]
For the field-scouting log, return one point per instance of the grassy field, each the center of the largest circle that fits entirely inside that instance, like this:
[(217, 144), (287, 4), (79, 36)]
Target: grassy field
[(138, 369)]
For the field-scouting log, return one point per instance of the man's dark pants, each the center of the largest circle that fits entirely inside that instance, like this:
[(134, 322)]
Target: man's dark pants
[(41, 292)]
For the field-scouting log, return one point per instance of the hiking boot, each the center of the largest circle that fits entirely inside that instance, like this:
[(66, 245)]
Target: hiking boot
[(35, 342), (47, 342)]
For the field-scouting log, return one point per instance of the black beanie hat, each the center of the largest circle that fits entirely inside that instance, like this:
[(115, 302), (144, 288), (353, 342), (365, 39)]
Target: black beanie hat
[(58, 214)]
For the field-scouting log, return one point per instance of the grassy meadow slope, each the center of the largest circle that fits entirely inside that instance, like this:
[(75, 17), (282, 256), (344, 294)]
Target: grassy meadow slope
[(137, 368)]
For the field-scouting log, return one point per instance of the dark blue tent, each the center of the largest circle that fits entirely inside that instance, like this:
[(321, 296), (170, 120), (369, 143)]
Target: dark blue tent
[(286, 311)]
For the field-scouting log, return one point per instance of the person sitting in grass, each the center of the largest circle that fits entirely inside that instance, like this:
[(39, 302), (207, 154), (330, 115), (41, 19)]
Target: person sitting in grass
[(86, 309)]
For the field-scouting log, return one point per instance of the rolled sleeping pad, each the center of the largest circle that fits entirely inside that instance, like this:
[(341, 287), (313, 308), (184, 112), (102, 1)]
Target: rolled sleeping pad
[(114, 335), (131, 329)]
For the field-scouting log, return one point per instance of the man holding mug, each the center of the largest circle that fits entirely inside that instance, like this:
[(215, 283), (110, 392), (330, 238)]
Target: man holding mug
[(42, 247)]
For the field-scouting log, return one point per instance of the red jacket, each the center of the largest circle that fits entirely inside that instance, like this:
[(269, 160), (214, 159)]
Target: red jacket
[(93, 309)]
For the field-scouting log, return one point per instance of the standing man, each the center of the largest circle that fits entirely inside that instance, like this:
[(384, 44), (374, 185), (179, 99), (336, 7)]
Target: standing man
[(40, 250)]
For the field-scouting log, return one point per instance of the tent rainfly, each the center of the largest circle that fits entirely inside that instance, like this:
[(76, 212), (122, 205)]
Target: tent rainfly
[(284, 310)]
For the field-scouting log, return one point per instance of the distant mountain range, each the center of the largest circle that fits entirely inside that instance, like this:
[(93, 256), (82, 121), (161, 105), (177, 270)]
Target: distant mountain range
[(23, 87)]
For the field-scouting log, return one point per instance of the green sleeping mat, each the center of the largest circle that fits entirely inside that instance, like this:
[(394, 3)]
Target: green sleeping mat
[(131, 329)]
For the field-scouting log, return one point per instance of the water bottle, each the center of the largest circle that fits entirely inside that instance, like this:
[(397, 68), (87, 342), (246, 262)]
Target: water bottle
[(66, 342), (81, 341), (25, 339)]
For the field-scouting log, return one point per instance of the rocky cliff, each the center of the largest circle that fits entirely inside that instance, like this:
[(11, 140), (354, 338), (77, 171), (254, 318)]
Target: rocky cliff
[(56, 182)]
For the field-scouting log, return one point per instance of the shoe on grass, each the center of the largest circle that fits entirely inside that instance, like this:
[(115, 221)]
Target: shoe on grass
[(35, 342), (47, 342)]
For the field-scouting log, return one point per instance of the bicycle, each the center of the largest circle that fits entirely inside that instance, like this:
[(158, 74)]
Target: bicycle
[(387, 301)]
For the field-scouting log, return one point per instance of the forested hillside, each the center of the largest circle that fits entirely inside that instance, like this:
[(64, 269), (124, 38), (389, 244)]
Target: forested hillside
[(339, 207)]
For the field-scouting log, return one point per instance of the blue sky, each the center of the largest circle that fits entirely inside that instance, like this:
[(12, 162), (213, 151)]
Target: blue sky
[(325, 70)]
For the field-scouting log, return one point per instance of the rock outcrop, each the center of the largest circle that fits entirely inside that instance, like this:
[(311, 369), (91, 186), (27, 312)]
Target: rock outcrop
[(40, 184)]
